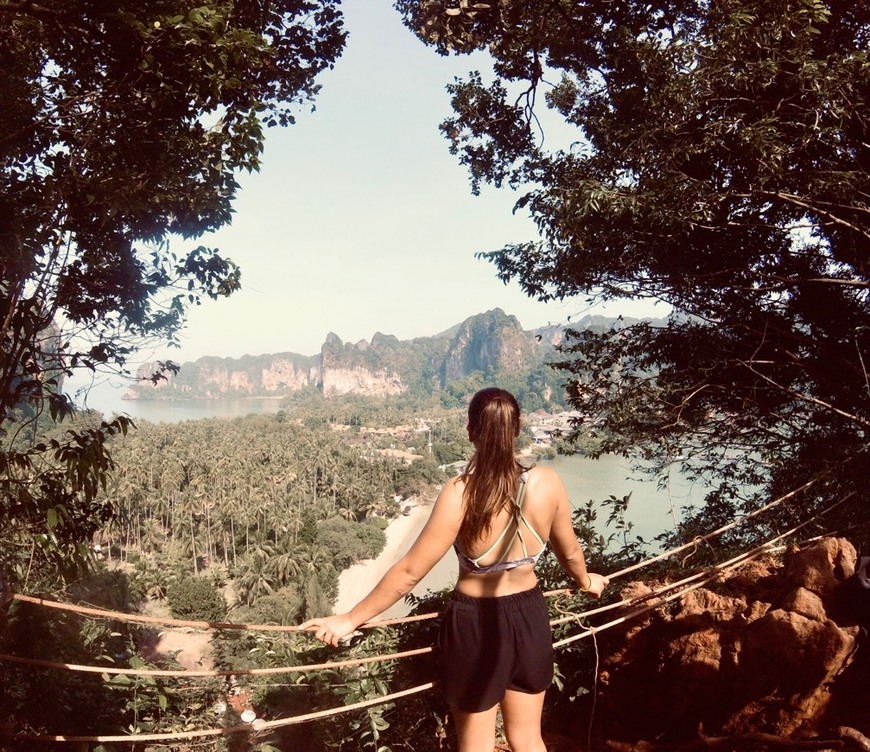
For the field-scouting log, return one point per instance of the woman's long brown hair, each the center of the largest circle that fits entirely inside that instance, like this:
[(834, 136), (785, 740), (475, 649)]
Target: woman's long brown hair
[(491, 476)]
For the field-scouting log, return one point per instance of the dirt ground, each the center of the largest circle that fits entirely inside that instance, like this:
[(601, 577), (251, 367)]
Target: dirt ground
[(192, 648)]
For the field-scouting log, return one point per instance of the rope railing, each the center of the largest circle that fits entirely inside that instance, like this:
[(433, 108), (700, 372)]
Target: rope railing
[(724, 528), (256, 726), (717, 571), (270, 671), (653, 600), (260, 725), (155, 620), (627, 617)]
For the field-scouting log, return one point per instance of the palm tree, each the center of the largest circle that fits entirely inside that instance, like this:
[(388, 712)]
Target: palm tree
[(256, 578), (284, 567)]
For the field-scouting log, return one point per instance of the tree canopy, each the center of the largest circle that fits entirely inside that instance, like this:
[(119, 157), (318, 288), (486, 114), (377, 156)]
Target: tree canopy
[(717, 160), (123, 127)]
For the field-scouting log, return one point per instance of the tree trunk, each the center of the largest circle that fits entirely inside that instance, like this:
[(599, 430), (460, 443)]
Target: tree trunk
[(193, 545)]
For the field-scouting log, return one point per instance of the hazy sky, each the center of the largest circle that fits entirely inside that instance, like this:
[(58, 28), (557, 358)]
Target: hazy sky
[(360, 220)]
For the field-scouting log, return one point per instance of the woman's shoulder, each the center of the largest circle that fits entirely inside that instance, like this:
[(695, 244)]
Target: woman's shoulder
[(455, 481), (541, 473), (453, 487), (543, 478)]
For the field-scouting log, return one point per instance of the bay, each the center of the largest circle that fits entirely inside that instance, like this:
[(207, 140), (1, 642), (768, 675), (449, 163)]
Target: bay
[(651, 509), (108, 399), (175, 411)]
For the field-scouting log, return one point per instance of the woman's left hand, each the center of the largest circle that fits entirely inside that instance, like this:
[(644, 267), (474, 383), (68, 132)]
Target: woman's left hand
[(329, 629), (597, 583)]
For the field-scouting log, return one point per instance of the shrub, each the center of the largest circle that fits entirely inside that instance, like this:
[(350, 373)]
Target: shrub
[(350, 542), (197, 599)]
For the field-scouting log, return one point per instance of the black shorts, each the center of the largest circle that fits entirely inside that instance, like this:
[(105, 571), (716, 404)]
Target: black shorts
[(489, 645)]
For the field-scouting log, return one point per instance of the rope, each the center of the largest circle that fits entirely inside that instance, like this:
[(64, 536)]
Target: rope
[(717, 570), (256, 726), (142, 619), (594, 690), (266, 725), (633, 614), (207, 625), (702, 538), (753, 553), (332, 664), (209, 672)]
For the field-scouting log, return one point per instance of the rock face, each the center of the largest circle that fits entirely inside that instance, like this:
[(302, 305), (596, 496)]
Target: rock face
[(357, 369), (489, 342), (215, 378), (492, 345), (760, 655)]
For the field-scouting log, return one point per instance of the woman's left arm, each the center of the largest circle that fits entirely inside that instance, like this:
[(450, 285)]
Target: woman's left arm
[(433, 542)]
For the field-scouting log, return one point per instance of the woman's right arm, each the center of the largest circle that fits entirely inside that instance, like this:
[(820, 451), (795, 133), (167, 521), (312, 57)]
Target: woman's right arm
[(565, 545), (433, 542)]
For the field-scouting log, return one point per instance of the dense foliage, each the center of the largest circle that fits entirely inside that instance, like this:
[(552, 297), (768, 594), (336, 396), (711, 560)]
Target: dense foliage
[(272, 503), (36, 699), (714, 156), (197, 599), (123, 127)]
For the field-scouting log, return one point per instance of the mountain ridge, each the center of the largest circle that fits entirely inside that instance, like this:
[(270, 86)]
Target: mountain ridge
[(486, 347)]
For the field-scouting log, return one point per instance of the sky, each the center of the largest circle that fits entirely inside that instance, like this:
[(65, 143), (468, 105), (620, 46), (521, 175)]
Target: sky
[(360, 221)]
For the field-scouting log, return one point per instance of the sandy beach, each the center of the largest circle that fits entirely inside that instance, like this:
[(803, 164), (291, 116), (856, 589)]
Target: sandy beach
[(356, 581)]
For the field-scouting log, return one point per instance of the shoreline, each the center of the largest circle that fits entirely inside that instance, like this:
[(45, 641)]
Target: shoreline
[(357, 581)]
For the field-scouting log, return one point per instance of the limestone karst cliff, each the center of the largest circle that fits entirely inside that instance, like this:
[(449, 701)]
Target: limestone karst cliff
[(489, 344)]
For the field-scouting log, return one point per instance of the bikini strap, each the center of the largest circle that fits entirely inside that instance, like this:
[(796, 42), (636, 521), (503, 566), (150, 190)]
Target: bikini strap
[(520, 517), (517, 516)]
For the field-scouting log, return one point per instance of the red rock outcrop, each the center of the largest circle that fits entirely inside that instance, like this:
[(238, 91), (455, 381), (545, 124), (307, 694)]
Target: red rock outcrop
[(760, 654)]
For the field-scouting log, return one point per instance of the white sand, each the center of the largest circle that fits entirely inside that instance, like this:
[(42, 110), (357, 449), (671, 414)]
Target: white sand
[(358, 580)]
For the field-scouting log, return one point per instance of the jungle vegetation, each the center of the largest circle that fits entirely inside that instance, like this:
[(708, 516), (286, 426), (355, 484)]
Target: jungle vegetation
[(248, 520), (122, 129)]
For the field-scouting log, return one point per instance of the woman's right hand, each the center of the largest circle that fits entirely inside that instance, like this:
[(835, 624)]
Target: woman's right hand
[(329, 629), (597, 583)]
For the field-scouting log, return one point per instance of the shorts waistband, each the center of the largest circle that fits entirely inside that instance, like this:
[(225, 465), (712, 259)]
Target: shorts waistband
[(509, 602)]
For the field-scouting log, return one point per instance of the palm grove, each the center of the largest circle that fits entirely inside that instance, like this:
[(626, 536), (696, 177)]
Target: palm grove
[(717, 161)]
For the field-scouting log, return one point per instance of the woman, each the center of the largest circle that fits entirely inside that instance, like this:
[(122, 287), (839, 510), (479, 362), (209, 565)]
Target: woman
[(495, 634)]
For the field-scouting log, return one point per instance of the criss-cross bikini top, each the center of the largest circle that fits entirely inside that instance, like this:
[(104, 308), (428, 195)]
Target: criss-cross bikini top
[(516, 522)]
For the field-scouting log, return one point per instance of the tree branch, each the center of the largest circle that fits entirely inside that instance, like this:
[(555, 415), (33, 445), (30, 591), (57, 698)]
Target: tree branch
[(806, 397), (797, 201)]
